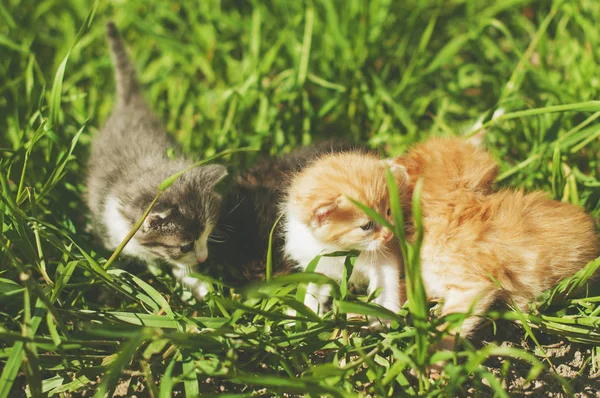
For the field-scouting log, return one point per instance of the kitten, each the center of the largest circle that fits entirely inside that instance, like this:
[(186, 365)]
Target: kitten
[(320, 218), (472, 236), (128, 162)]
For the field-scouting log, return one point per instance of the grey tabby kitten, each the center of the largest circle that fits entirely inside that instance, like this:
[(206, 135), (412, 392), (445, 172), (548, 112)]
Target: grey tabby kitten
[(128, 162)]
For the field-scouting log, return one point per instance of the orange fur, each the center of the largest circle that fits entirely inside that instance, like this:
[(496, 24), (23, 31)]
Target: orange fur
[(526, 242), (320, 218)]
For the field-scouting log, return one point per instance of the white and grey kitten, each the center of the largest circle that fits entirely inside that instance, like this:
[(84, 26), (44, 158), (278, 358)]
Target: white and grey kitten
[(128, 162)]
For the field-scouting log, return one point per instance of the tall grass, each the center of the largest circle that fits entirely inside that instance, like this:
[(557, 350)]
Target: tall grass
[(272, 76)]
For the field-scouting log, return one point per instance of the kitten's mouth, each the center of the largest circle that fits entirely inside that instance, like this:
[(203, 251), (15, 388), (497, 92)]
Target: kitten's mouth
[(372, 246)]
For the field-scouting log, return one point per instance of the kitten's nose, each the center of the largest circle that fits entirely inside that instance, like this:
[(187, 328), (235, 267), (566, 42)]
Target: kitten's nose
[(201, 257), (386, 234)]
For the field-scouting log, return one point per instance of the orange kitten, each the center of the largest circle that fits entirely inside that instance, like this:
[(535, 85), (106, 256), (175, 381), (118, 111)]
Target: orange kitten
[(319, 218), (526, 242)]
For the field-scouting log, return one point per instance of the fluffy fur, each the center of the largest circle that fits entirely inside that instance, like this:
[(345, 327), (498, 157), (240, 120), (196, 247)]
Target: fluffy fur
[(320, 218), (473, 236), (128, 162)]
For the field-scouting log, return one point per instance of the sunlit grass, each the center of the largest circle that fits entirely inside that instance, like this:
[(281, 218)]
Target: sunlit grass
[(273, 76)]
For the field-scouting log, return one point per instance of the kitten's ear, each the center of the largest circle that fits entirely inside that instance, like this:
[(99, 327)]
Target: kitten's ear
[(397, 168), (323, 211), (155, 219), (214, 173)]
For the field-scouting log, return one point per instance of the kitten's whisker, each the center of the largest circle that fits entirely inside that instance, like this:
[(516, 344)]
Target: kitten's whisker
[(384, 249), (371, 256), (211, 239), (221, 233), (236, 206), (228, 227)]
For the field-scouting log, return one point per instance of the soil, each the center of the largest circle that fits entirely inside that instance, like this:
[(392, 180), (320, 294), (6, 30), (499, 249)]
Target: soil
[(571, 361)]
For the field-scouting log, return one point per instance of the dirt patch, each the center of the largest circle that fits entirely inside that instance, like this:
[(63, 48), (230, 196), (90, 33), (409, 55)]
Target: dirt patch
[(566, 363)]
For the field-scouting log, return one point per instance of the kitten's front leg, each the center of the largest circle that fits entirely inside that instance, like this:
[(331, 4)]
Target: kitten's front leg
[(316, 297), (198, 288), (385, 273), (391, 293), (475, 300)]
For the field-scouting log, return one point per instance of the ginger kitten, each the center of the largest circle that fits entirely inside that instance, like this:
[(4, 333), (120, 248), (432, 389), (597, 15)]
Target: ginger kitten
[(473, 236), (128, 162), (320, 218)]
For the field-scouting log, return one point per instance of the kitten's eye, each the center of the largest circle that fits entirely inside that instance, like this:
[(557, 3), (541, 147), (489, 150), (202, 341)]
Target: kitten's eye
[(187, 248), (389, 212), (367, 227)]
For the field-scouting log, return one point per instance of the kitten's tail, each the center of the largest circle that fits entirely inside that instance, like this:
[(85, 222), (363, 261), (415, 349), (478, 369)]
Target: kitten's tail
[(127, 84)]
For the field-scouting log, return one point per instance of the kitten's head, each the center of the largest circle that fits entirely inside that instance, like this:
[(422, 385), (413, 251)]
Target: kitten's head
[(320, 197), (180, 223)]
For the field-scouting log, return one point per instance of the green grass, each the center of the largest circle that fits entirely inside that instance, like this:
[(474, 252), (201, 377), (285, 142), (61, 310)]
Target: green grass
[(272, 76)]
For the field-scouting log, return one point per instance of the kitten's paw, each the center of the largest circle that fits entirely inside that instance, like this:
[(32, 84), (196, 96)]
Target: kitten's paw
[(314, 306), (197, 287), (290, 312), (288, 323), (317, 297), (200, 290)]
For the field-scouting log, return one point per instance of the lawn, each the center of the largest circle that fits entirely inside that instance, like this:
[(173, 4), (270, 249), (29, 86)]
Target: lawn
[(272, 76)]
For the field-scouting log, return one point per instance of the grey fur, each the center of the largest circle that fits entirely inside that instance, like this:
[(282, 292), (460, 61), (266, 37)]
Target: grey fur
[(129, 161)]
